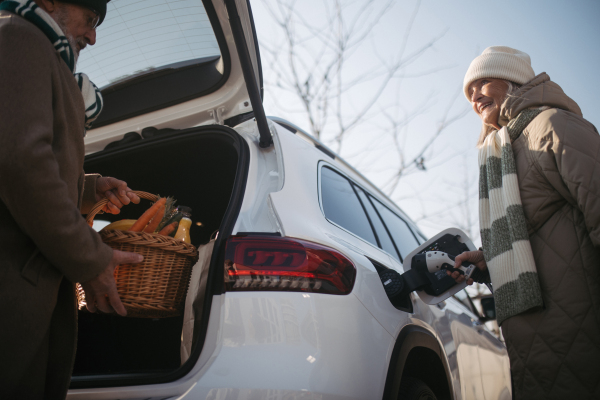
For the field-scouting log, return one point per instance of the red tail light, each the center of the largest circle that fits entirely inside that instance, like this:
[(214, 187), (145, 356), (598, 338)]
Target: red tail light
[(283, 264)]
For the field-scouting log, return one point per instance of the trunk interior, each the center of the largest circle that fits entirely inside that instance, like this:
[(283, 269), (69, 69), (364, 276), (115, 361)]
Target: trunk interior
[(196, 166)]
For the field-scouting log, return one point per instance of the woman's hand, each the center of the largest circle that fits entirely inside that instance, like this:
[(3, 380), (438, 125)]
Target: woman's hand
[(116, 191), (473, 257)]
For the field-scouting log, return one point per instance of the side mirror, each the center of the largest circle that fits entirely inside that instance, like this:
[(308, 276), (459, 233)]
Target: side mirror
[(489, 307)]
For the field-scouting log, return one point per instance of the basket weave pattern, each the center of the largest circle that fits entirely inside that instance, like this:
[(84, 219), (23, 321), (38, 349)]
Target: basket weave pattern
[(156, 287)]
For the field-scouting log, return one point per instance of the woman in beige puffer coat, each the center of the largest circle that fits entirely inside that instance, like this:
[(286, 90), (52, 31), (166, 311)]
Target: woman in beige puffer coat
[(554, 348)]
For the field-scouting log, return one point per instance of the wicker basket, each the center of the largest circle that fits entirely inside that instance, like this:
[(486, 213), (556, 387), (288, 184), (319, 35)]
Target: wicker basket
[(156, 287)]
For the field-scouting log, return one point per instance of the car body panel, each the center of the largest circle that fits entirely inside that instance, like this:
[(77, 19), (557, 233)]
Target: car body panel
[(320, 344), (265, 176), (304, 345), (299, 217), (241, 355)]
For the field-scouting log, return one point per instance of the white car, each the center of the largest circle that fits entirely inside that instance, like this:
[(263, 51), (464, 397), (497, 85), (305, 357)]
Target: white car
[(290, 303)]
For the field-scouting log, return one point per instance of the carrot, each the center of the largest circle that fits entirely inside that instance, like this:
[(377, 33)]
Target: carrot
[(141, 223), (155, 220), (168, 229)]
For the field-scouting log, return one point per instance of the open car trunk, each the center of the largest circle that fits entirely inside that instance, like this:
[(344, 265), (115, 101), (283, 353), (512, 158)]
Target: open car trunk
[(202, 168)]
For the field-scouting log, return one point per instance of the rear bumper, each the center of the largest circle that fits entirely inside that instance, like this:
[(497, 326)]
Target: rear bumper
[(277, 345)]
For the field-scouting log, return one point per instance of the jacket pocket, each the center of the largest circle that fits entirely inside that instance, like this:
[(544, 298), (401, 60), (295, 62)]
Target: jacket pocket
[(33, 267)]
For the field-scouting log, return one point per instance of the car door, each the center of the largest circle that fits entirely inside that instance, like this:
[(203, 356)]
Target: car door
[(476, 343), (478, 358)]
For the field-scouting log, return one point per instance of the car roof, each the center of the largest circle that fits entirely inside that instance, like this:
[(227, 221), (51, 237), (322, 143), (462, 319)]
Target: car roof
[(344, 166)]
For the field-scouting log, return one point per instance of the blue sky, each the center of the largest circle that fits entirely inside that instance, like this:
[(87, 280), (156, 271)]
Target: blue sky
[(562, 38)]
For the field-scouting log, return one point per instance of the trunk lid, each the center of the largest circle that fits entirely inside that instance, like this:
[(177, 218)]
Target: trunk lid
[(174, 64)]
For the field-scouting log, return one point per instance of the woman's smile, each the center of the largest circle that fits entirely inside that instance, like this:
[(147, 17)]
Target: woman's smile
[(484, 106), (486, 96)]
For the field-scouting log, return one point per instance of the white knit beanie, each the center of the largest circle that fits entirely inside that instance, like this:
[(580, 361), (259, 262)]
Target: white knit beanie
[(499, 62)]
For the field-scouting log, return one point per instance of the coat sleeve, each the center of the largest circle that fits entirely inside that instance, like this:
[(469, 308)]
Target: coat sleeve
[(31, 186), (570, 160), (88, 200)]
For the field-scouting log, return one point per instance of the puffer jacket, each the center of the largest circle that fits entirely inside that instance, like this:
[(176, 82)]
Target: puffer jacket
[(555, 352)]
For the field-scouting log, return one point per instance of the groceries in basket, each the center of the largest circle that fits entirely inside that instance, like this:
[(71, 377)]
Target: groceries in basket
[(156, 287), (162, 218)]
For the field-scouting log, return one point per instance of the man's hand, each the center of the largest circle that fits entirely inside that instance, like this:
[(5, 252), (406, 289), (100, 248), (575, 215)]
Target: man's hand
[(473, 257), (101, 292), (116, 191)]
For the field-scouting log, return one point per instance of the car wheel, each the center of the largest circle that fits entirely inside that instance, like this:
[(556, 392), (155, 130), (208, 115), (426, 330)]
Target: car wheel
[(414, 389)]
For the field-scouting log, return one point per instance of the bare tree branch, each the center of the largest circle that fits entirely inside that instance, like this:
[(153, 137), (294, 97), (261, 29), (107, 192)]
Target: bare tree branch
[(319, 57)]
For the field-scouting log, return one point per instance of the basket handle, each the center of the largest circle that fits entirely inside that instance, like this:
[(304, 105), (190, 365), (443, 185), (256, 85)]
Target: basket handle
[(99, 205)]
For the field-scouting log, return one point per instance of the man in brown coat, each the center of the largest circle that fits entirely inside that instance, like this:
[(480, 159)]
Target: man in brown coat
[(45, 244)]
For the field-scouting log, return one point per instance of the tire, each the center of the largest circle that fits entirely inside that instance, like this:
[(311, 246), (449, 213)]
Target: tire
[(414, 389)]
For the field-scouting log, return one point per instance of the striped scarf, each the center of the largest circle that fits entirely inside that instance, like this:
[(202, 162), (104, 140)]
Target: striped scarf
[(504, 234), (34, 14)]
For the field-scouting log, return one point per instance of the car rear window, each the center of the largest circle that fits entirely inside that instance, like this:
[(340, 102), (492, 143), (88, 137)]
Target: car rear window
[(140, 36)]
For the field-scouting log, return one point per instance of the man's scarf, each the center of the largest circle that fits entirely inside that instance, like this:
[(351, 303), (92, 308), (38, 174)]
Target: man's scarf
[(504, 234), (34, 14)]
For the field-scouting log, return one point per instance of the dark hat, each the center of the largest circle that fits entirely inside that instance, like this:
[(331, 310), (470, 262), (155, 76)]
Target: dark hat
[(98, 6)]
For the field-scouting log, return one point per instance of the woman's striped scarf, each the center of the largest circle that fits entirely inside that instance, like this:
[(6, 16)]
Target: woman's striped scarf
[(504, 234), (34, 14)]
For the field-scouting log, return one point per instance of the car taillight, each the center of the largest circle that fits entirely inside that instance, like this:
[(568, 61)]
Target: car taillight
[(261, 263)]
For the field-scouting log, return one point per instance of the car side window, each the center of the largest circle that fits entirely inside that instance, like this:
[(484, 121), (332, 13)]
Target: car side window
[(341, 205), (403, 237), (384, 238)]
